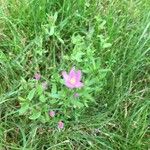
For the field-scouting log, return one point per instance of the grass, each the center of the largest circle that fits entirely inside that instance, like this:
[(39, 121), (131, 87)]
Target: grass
[(36, 35)]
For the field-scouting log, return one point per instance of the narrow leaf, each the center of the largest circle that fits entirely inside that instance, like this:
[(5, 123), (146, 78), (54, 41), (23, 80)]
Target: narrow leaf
[(24, 108), (42, 98), (36, 114), (31, 94)]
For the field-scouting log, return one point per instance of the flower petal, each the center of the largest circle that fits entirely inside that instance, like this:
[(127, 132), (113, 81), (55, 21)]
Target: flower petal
[(52, 113), (37, 76), (69, 85), (60, 125), (79, 85), (78, 75), (65, 76), (72, 72)]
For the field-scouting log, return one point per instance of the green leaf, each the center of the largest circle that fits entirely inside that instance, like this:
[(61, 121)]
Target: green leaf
[(54, 88), (52, 101), (24, 108), (54, 95), (21, 99), (42, 119), (86, 105), (46, 116), (42, 98), (77, 55), (61, 40), (76, 39), (55, 16), (76, 103), (35, 114), (89, 97), (31, 94), (52, 30), (102, 25), (107, 45), (39, 89)]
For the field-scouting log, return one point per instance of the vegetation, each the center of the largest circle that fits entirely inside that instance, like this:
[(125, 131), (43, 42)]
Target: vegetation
[(108, 40)]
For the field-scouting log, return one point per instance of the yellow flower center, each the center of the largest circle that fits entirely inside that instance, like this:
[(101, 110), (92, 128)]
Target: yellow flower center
[(72, 80)]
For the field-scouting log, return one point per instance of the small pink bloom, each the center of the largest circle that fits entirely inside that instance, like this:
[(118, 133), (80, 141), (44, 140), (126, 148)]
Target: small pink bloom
[(37, 76), (44, 85), (73, 79), (60, 125), (76, 95), (52, 113)]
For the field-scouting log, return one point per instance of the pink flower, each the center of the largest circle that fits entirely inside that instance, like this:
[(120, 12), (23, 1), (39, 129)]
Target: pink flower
[(37, 76), (44, 85), (72, 80), (52, 113), (60, 125)]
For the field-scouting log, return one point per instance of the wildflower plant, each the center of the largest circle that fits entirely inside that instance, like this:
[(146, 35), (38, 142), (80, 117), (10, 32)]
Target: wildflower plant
[(68, 92)]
